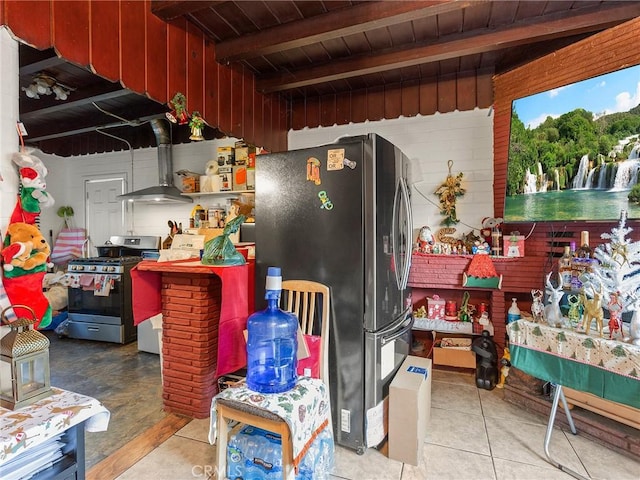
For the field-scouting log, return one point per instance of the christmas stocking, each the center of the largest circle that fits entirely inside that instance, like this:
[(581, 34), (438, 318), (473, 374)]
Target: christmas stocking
[(24, 287), (25, 258)]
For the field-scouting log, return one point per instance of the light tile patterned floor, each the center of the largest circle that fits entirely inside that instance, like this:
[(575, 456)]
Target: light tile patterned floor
[(472, 434)]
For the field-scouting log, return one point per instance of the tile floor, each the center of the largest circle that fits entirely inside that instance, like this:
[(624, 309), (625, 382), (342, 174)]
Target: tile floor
[(472, 434)]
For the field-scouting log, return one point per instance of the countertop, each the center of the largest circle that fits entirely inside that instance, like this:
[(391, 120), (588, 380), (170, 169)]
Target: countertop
[(180, 266)]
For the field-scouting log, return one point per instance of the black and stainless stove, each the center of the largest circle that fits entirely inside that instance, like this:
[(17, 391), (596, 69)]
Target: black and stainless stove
[(100, 301)]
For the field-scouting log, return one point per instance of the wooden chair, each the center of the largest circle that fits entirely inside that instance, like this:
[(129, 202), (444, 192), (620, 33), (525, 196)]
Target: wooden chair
[(310, 302)]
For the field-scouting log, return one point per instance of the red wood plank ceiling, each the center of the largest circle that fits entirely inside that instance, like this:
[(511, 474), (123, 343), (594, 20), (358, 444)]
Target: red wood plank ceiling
[(122, 40)]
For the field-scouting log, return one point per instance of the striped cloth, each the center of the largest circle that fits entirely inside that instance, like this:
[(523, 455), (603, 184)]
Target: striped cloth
[(68, 245)]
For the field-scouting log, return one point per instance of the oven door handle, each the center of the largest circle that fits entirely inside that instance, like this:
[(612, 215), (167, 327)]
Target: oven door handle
[(116, 277)]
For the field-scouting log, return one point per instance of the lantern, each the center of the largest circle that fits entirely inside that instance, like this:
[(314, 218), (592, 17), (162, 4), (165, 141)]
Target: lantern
[(24, 363)]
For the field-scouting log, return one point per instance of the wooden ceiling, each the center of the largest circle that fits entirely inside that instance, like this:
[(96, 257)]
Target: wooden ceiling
[(305, 49), (310, 48)]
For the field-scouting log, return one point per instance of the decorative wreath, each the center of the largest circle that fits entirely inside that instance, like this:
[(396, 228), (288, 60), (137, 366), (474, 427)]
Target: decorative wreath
[(448, 192)]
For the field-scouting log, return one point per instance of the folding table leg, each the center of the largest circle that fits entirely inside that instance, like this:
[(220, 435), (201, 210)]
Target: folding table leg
[(547, 438), (221, 447)]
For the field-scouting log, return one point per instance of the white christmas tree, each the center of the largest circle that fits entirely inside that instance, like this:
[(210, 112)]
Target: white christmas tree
[(618, 268)]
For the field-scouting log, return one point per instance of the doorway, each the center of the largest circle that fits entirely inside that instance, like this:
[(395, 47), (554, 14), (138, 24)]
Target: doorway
[(105, 214)]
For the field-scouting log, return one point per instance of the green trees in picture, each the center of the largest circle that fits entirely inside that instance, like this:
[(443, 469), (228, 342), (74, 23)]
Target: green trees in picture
[(556, 146)]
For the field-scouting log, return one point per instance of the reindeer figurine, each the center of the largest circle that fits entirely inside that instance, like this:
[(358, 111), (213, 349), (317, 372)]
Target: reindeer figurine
[(592, 310), (552, 311)]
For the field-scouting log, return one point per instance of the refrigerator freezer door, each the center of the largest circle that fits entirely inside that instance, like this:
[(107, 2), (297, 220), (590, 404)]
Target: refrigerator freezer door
[(385, 352)]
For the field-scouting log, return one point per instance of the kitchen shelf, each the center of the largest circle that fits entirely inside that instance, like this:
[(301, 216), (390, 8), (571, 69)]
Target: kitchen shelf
[(217, 194)]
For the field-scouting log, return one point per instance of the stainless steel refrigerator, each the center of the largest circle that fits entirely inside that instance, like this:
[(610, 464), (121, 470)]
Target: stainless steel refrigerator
[(340, 214)]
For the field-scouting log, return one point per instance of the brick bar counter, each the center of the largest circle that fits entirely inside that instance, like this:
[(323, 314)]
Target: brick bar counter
[(204, 311)]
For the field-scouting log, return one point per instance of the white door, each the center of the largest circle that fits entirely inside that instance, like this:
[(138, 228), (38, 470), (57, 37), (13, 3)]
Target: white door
[(105, 213)]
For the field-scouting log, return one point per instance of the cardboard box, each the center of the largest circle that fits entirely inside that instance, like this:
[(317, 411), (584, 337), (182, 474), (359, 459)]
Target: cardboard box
[(251, 178), (243, 153), (409, 409), (452, 357), (513, 245), (190, 184), (226, 156), (226, 178)]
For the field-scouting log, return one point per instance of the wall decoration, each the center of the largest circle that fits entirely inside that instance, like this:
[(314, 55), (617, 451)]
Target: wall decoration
[(449, 191)]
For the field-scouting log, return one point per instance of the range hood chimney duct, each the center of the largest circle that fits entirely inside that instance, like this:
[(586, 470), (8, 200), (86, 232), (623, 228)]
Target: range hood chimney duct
[(165, 192)]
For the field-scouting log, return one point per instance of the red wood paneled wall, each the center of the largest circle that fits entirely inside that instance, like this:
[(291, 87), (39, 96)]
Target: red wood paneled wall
[(604, 52), (122, 40), (441, 94)]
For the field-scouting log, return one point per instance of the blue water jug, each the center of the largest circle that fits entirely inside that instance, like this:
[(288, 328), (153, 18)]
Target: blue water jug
[(272, 343)]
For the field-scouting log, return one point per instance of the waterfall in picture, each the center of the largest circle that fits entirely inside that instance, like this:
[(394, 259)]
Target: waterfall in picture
[(556, 178), (535, 183), (602, 178), (580, 180), (530, 182), (626, 175), (542, 179)]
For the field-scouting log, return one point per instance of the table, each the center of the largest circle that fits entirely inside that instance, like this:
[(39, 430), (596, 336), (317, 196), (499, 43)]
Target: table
[(29, 428), (607, 368), (305, 408)]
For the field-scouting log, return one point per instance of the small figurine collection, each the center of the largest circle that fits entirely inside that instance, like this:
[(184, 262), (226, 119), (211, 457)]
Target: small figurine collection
[(444, 241), (440, 309), (604, 285)]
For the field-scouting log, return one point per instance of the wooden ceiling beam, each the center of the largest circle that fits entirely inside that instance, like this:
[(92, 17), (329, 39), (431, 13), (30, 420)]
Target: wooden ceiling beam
[(335, 24), (525, 32), (170, 9)]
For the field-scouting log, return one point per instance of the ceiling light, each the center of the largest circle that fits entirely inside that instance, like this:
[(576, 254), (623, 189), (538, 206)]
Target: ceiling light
[(60, 92), (43, 84), (31, 91)]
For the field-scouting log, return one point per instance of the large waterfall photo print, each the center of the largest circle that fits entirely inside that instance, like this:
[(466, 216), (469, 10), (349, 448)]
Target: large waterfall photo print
[(574, 151)]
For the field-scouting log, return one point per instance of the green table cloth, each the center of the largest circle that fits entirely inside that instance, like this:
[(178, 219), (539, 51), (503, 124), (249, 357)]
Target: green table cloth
[(607, 368)]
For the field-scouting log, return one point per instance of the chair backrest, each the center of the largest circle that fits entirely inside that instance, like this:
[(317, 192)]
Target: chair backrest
[(310, 302)]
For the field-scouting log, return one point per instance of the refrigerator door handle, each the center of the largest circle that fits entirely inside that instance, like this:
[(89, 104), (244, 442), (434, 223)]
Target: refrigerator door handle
[(408, 234), (394, 236), (403, 266), (406, 325)]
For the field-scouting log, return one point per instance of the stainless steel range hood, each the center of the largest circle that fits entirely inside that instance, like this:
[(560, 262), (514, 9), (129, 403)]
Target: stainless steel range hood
[(165, 192)]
